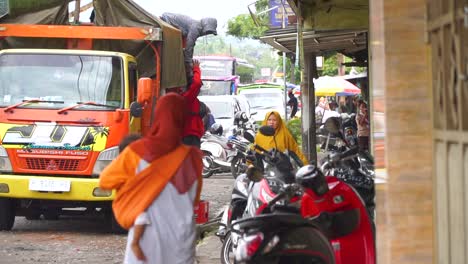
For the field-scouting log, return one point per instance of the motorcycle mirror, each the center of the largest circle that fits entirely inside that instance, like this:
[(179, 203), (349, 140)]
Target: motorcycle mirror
[(332, 125), (254, 174), (267, 131), (249, 137), (136, 109)]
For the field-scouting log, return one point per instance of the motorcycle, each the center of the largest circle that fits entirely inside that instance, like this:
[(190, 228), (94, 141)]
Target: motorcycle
[(333, 225), (242, 125), (217, 152), (349, 128), (249, 198), (357, 170)]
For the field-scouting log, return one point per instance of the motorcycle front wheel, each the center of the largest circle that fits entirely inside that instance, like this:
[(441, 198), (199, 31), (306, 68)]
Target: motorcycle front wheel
[(237, 167), (227, 255), (207, 164)]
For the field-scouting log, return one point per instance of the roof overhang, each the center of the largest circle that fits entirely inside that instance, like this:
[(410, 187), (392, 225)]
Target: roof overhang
[(345, 41)]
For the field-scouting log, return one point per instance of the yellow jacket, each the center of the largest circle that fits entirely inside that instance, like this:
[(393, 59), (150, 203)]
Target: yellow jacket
[(284, 139)]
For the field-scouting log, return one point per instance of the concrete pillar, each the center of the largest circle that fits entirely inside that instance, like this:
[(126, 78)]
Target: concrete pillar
[(401, 87)]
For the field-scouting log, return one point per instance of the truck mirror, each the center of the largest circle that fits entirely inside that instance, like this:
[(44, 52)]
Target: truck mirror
[(144, 90), (136, 110)]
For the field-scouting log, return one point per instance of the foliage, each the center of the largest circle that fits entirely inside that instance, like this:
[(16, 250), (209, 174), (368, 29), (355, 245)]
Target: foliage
[(243, 26), (330, 65), (295, 127)]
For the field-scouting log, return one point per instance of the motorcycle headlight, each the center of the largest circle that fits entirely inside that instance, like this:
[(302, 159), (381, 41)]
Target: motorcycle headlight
[(104, 159), (5, 164)]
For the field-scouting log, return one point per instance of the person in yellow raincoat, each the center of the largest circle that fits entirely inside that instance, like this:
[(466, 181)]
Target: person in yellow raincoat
[(282, 140)]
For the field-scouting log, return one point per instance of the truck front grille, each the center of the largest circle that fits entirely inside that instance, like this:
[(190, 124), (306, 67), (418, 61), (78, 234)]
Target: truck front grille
[(52, 164)]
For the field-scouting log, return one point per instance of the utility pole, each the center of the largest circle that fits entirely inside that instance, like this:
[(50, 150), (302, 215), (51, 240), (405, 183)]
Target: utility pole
[(284, 68)]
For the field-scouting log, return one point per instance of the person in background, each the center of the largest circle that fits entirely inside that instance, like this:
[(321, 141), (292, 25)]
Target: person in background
[(158, 182), (293, 103), (330, 111), (208, 119), (282, 140), (194, 129), (363, 126), (342, 108), (320, 111)]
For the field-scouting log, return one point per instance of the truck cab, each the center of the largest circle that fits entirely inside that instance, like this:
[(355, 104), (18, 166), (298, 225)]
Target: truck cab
[(64, 111)]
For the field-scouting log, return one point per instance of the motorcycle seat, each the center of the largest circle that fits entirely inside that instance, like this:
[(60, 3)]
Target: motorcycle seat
[(271, 221)]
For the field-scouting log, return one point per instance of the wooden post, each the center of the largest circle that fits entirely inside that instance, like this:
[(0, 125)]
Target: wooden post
[(308, 68), (76, 18)]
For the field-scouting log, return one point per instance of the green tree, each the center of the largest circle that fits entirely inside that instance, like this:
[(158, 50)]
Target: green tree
[(243, 26), (330, 66)]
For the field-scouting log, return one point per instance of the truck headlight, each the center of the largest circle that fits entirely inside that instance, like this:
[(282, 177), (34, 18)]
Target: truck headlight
[(104, 159), (5, 164)]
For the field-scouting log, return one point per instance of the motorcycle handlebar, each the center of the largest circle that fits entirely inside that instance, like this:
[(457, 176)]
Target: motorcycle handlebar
[(287, 190)]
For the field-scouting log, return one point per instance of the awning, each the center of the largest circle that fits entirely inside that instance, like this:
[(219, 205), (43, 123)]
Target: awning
[(318, 42)]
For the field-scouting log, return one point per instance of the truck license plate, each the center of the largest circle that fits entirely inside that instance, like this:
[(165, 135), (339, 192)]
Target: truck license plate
[(49, 185)]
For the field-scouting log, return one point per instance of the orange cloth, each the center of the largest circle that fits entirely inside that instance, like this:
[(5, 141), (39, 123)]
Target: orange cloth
[(162, 148), (135, 192)]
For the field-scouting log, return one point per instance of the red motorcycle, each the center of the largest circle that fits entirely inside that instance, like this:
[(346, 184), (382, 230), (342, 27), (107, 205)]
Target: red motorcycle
[(333, 225)]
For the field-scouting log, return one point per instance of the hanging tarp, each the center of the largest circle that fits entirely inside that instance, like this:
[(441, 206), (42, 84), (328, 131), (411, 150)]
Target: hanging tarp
[(108, 13)]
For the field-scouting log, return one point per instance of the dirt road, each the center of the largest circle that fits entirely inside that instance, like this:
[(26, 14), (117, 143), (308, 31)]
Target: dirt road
[(84, 239)]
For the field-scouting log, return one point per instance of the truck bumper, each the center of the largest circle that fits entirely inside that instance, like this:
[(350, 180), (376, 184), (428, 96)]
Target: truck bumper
[(81, 189)]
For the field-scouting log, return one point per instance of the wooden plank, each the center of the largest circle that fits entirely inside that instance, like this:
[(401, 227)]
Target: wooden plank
[(445, 20), (451, 136), (456, 204), (440, 200)]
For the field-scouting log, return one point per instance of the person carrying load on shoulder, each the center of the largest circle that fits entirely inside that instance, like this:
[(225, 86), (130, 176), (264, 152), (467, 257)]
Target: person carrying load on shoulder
[(158, 181)]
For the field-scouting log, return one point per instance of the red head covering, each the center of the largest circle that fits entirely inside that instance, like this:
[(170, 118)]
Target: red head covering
[(166, 131)]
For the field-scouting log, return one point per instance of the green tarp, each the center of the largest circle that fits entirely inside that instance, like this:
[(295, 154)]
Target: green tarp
[(108, 13)]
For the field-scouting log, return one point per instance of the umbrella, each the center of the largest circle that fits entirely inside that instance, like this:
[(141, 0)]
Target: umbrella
[(331, 86)]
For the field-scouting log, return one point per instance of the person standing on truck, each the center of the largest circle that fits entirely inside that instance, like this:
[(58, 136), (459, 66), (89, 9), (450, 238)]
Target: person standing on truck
[(158, 183), (191, 29), (194, 130)]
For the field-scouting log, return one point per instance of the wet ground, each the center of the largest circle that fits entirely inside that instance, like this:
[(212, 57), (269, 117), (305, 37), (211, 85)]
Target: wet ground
[(87, 240)]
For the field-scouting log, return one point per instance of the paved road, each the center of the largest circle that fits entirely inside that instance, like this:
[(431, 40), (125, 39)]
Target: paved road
[(86, 240)]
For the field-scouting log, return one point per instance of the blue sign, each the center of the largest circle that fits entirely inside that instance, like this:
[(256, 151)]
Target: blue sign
[(277, 11)]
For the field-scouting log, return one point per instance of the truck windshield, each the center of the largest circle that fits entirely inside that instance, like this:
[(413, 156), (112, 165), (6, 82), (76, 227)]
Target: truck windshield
[(216, 87), (61, 80)]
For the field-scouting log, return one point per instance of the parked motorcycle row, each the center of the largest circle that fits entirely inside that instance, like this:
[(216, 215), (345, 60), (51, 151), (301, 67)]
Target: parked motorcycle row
[(283, 212), (227, 154)]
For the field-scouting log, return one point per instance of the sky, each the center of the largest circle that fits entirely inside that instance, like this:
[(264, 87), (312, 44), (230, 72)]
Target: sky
[(222, 10)]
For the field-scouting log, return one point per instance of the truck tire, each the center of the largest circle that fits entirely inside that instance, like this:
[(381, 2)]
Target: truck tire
[(7, 214)]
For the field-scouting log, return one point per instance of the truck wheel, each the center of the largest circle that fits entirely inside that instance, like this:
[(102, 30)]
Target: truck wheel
[(7, 214)]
